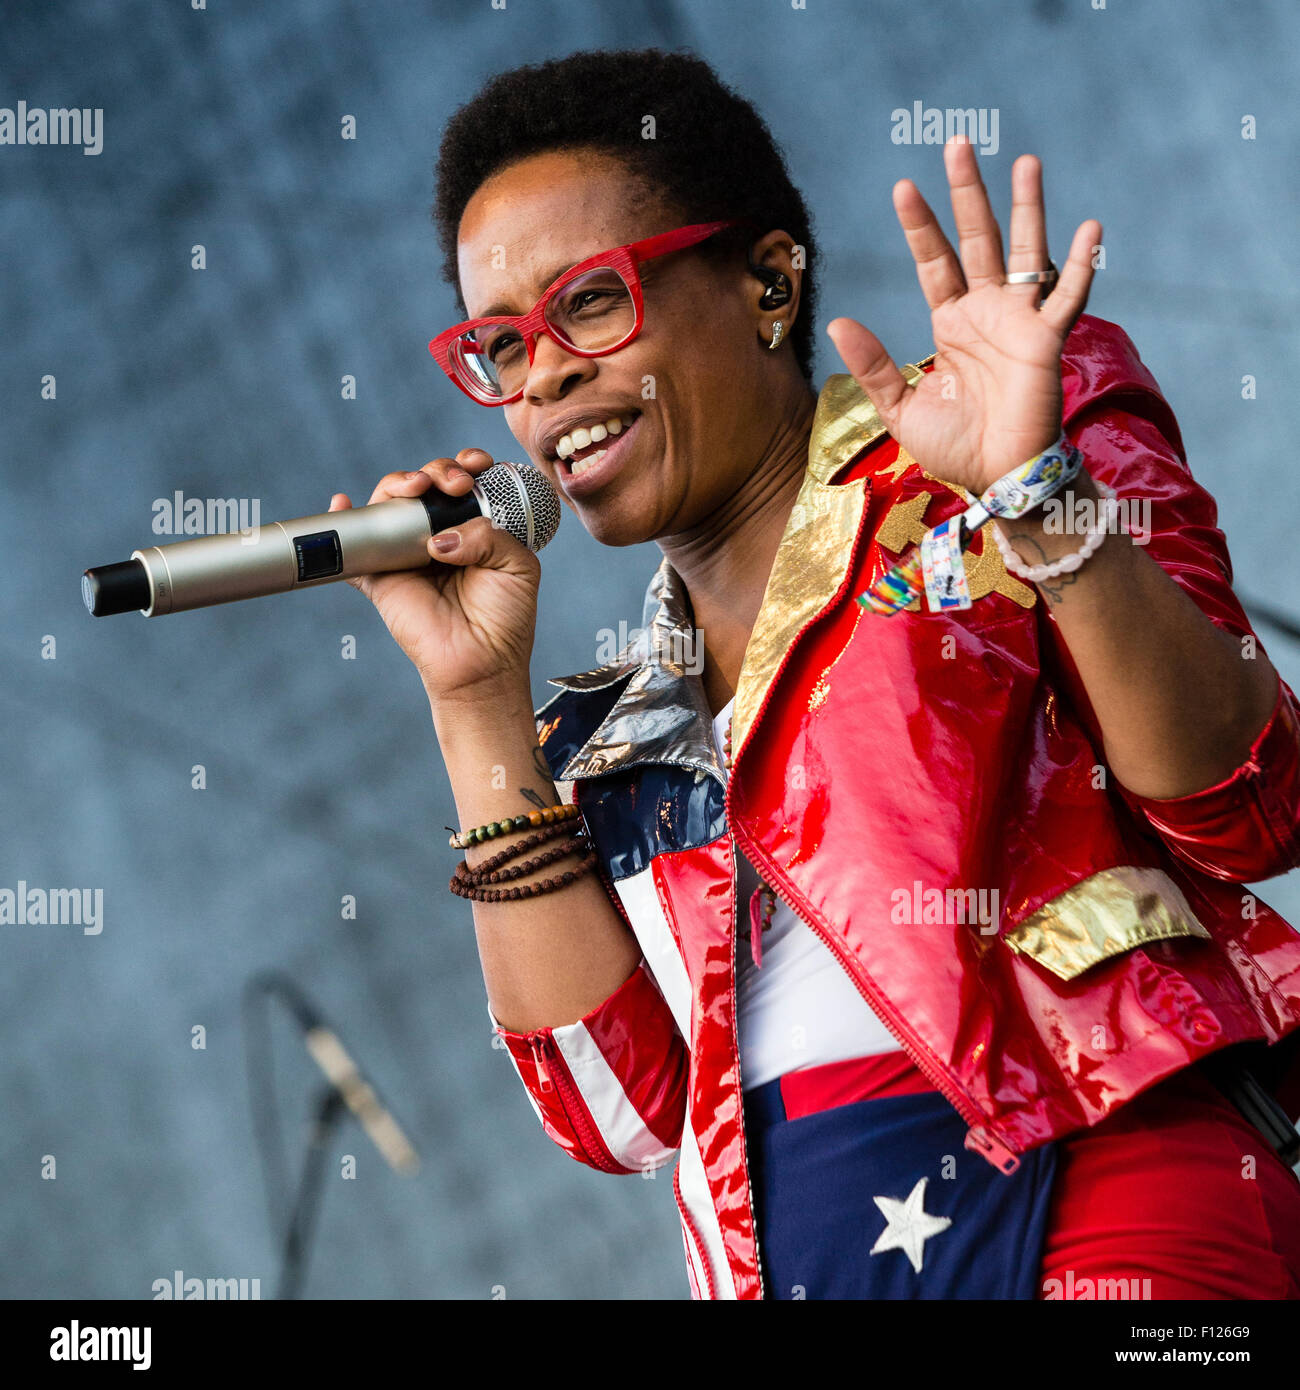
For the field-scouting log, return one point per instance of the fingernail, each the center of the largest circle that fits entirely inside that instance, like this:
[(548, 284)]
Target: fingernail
[(447, 542)]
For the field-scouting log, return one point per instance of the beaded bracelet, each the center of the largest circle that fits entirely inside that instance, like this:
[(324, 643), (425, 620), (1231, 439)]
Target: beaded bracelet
[(1067, 564), (547, 832), (523, 890), (935, 566), (462, 839), (484, 875), (473, 883)]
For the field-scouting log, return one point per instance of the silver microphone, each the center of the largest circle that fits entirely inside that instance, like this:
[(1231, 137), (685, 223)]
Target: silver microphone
[(321, 549)]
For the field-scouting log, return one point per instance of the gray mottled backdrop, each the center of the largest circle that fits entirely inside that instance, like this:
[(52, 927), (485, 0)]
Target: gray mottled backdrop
[(222, 128)]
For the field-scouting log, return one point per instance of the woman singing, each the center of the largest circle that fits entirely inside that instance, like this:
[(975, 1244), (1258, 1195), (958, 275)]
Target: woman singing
[(912, 925)]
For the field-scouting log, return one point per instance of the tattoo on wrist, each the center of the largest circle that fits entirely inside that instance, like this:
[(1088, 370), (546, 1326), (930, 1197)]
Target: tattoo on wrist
[(1051, 588), (544, 772)]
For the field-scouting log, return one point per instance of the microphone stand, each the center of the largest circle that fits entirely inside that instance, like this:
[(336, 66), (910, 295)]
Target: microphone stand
[(302, 1220), (345, 1089)]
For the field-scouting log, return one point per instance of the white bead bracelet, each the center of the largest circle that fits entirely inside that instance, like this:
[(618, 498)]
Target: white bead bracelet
[(1036, 574)]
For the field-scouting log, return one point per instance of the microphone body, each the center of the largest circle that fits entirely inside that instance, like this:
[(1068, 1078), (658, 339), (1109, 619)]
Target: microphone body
[(322, 549)]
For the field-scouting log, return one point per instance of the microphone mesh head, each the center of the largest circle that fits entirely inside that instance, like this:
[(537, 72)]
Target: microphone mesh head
[(517, 492)]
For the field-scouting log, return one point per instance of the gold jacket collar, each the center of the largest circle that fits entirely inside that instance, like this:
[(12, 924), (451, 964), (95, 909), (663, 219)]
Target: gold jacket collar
[(662, 716)]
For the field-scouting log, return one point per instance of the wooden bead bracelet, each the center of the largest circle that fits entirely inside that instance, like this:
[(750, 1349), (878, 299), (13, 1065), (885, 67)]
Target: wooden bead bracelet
[(547, 832), (462, 839), (523, 890), (483, 875), (473, 883)]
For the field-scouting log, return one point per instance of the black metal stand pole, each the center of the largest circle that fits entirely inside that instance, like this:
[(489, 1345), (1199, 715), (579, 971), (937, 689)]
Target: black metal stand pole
[(297, 1239)]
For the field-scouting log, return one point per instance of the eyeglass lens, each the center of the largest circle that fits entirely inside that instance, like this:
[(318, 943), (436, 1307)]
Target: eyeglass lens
[(594, 313)]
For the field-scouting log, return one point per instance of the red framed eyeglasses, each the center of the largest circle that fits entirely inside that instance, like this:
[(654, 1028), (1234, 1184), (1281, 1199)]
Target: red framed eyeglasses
[(594, 308)]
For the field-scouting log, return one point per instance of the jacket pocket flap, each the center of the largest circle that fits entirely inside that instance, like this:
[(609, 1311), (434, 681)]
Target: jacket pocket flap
[(1102, 916)]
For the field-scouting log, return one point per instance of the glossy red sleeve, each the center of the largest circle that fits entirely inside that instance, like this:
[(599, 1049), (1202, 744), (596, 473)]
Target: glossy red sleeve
[(611, 1088), (1247, 826)]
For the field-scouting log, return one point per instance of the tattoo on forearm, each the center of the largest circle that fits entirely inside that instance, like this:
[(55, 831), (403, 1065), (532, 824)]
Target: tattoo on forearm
[(1052, 588), (544, 771)]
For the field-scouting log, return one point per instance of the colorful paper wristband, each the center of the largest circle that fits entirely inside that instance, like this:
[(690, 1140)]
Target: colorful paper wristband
[(1027, 486)]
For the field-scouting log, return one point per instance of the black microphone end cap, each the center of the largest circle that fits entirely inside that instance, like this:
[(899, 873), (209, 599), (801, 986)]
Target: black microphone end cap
[(110, 589)]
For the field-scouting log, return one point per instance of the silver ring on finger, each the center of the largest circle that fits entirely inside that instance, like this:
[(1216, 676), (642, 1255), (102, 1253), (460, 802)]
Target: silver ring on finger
[(1047, 278)]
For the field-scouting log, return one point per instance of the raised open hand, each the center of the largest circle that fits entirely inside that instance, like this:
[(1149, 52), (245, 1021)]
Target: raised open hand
[(993, 399)]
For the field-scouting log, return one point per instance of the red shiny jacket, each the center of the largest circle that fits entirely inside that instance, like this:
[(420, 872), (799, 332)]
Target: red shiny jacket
[(880, 760)]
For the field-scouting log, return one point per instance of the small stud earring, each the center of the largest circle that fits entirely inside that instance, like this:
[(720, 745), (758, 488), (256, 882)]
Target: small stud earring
[(778, 332)]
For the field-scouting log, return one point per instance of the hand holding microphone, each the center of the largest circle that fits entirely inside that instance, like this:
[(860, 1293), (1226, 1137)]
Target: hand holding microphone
[(468, 622), (461, 602)]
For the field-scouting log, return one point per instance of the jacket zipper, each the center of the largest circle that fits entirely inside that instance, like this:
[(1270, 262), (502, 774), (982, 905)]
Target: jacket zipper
[(981, 1137), (701, 1252), (735, 1043), (1281, 838), (555, 1077)]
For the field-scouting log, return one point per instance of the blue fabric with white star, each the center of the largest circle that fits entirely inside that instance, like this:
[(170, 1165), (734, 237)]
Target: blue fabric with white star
[(881, 1200)]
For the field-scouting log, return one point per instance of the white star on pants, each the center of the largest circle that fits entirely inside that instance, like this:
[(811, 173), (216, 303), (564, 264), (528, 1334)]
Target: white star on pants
[(908, 1225)]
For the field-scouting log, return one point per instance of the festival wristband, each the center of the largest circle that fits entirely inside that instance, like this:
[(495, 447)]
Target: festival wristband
[(943, 571), (1031, 484), (936, 568)]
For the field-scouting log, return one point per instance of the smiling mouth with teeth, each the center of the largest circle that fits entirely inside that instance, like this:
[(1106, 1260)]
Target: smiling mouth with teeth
[(583, 447)]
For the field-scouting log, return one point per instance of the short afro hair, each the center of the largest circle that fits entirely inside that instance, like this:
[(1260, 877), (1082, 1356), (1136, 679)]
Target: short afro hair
[(712, 155)]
